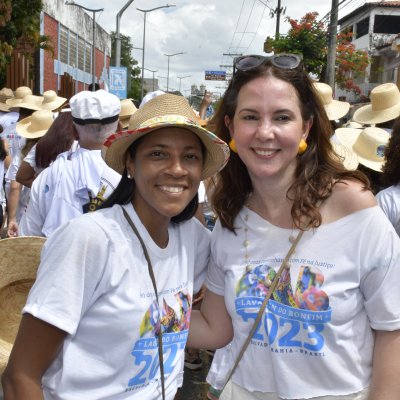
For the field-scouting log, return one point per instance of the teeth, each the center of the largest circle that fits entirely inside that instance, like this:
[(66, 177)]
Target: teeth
[(172, 189), (265, 152)]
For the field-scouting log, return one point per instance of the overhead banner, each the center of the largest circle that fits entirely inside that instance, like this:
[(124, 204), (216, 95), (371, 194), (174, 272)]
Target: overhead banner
[(215, 75)]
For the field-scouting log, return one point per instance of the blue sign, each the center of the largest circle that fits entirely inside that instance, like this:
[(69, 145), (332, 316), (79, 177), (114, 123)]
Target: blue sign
[(118, 81), (215, 75)]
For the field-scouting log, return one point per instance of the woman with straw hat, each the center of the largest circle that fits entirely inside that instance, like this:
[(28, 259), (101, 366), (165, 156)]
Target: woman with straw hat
[(389, 198), (111, 320)]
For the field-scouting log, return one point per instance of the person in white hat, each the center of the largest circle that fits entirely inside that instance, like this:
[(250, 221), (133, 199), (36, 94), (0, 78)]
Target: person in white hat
[(389, 198), (110, 309), (74, 185)]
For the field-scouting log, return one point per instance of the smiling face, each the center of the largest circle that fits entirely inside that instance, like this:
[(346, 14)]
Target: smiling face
[(267, 127), (167, 171)]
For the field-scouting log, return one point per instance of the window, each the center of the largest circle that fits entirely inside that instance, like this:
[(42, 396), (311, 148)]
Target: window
[(72, 49), (88, 56), (63, 44), (387, 24), (81, 54), (375, 75), (362, 27)]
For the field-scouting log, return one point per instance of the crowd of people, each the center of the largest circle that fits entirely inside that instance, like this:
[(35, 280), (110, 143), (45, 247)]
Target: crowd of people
[(264, 228)]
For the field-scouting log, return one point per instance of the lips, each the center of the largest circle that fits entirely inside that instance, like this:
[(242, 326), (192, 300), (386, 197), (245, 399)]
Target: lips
[(171, 189), (265, 152)]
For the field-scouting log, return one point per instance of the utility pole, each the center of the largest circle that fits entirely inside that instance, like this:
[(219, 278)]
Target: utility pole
[(332, 41), (278, 12)]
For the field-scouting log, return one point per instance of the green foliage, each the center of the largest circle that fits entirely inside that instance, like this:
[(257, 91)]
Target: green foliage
[(134, 71), (306, 37)]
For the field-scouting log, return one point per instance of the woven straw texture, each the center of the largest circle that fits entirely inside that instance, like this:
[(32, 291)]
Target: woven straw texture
[(20, 258)]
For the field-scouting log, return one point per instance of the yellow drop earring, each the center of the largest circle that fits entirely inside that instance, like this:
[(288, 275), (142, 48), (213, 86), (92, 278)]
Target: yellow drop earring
[(232, 145), (302, 147)]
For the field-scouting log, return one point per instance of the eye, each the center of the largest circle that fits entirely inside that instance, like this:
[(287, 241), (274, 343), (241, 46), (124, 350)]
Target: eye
[(156, 154), (193, 156), (283, 118), (250, 117)]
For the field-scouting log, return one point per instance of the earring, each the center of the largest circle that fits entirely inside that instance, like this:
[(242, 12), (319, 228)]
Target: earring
[(302, 147), (232, 145), (129, 176)]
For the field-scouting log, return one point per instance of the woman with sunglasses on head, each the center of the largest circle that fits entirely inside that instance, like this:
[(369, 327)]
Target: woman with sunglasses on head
[(109, 313), (304, 266)]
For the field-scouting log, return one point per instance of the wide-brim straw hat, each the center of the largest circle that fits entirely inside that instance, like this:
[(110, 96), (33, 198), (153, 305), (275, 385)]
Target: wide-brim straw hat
[(384, 106), (348, 158), (368, 144), (4, 107), (335, 109), (19, 95), (20, 258), (5, 94), (165, 111), (36, 125), (51, 101), (127, 109), (31, 102)]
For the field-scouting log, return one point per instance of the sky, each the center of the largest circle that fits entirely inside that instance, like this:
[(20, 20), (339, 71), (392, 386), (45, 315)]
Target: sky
[(203, 30)]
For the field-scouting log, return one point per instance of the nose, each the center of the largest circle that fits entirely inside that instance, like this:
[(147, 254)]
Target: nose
[(264, 130), (176, 167)]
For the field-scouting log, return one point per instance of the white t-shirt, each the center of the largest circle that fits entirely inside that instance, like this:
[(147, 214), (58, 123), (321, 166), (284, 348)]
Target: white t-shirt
[(93, 283), (316, 338), (72, 185), (389, 201)]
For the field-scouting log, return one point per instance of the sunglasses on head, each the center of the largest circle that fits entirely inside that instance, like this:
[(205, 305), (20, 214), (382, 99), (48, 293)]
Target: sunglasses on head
[(284, 61)]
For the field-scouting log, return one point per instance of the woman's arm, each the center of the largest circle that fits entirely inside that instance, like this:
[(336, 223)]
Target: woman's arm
[(25, 175), (211, 327), (385, 383), (35, 347), (12, 206)]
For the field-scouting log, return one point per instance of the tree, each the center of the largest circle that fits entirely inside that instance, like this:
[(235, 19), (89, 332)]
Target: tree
[(306, 37), (310, 38), (20, 27), (128, 61)]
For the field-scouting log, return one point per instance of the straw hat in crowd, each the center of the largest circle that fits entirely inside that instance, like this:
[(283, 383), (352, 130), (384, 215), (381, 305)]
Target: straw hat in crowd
[(347, 157), (36, 125), (31, 102), (19, 95), (368, 144), (5, 94), (335, 109), (51, 101), (384, 106), (19, 260), (127, 109), (164, 111)]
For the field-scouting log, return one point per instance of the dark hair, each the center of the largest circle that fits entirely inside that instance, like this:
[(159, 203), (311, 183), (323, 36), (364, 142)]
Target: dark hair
[(391, 169), (124, 191), (58, 138), (317, 171), (3, 151)]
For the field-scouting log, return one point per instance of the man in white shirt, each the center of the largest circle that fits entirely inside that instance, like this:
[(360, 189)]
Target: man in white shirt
[(79, 182)]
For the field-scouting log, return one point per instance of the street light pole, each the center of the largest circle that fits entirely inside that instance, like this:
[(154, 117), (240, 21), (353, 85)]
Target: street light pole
[(169, 56), (117, 35), (144, 39), (153, 72), (180, 80), (72, 3)]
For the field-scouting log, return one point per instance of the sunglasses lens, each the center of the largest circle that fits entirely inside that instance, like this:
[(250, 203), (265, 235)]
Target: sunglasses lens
[(286, 61), (248, 62)]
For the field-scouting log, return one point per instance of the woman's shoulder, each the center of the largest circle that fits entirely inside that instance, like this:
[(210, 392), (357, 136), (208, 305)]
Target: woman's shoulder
[(348, 197)]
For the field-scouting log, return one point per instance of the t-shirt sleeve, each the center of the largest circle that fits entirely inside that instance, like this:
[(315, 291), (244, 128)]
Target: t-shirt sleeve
[(215, 279), (72, 264), (381, 275), (202, 248), (30, 158)]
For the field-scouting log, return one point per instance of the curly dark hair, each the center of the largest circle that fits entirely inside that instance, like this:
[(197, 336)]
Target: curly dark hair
[(391, 169), (317, 171)]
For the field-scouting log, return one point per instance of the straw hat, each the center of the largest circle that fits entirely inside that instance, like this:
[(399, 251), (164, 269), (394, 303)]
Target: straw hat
[(51, 101), (19, 260), (127, 109), (4, 107), (346, 156), (334, 109), (353, 124), (5, 94), (36, 125), (164, 111), (19, 94), (31, 102), (368, 144), (384, 106)]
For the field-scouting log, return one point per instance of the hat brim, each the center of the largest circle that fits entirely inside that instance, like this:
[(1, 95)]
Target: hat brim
[(13, 102), (4, 107), (336, 109), (20, 258), (23, 129), (124, 121), (53, 105), (347, 157), (366, 115), (348, 137), (217, 151)]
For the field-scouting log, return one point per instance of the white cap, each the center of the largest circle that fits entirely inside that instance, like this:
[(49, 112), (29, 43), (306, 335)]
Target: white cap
[(99, 107)]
